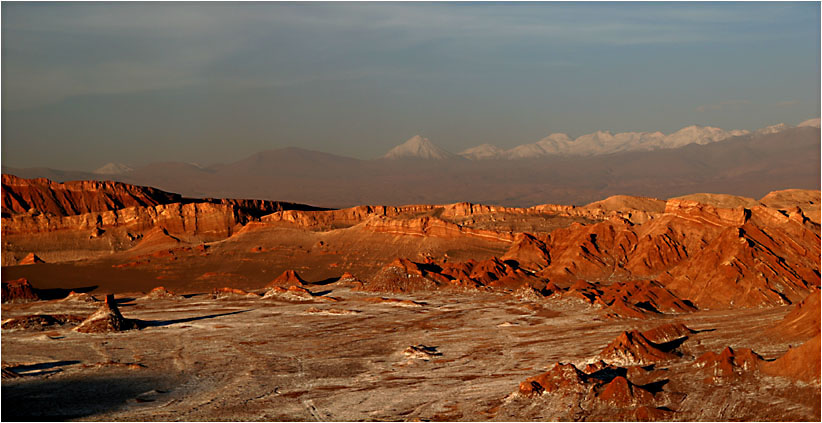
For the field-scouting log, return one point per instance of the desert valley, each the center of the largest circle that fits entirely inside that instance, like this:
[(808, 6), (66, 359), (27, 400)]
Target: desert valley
[(411, 211), (124, 302)]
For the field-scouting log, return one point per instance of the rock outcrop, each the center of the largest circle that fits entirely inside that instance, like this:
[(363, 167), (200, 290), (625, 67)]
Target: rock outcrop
[(728, 364), (31, 258), (802, 322), (633, 348), (107, 319), (800, 363), (292, 293), (19, 291), (601, 386), (231, 293), (287, 279), (162, 293), (78, 197), (40, 322)]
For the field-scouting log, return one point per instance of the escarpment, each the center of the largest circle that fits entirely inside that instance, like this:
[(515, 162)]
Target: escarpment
[(636, 255)]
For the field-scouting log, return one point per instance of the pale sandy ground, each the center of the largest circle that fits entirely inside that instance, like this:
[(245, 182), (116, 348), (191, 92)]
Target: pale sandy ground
[(255, 359)]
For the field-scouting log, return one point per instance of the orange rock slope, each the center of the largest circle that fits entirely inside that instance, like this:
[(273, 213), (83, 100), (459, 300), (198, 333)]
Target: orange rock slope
[(642, 256)]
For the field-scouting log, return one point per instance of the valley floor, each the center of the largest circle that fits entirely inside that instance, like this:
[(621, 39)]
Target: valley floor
[(254, 359)]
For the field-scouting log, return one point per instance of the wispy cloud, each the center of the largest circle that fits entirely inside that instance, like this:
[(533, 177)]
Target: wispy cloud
[(54, 51)]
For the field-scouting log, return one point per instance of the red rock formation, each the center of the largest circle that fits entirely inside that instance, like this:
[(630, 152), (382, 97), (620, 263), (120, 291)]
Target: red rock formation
[(210, 221), (31, 258), (667, 333), (803, 321), (633, 348), (750, 266), (635, 299), (157, 237), (430, 226), (603, 384), (19, 291), (292, 293), (161, 292), (800, 363), (496, 273), (80, 297), (591, 252), (286, 279), (347, 277), (403, 275), (564, 377), (529, 252), (78, 197), (107, 319), (807, 201), (227, 292), (641, 297), (728, 363), (622, 393)]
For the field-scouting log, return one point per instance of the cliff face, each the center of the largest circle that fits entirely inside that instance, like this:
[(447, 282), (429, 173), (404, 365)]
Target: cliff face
[(713, 256), (78, 197), (102, 217), (196, 219)]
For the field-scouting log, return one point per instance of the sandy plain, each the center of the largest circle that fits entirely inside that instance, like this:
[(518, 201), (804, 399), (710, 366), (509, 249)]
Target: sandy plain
[(201, 358)]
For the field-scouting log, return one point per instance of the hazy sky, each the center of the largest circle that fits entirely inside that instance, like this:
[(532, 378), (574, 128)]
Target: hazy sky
[(85, 84)]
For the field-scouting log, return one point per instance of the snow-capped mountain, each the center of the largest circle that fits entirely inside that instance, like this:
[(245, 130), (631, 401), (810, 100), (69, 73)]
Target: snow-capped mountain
[(596, 143), (484, 151), (772, 129), (605, 142), (113, 169), (814, 123), (418, 147)]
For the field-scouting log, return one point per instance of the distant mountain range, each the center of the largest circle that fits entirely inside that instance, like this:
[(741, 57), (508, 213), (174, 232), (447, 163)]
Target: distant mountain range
[(597, 143), (553, 170)]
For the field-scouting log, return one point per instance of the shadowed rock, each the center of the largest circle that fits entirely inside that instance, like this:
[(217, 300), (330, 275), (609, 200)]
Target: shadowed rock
[(622, 393), (19, 291), (564, 377), (729, 363), (41, 321), (421, 352), (667, 333), (31, 258), (633, 348)]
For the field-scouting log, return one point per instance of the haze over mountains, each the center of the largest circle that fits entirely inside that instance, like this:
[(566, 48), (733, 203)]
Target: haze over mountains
[(557, 169)]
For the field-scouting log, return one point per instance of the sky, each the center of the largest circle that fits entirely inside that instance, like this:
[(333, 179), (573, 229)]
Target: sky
[(84, 84)]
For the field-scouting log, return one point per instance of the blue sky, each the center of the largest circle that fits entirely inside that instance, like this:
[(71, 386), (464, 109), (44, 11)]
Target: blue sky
[(85, 84)]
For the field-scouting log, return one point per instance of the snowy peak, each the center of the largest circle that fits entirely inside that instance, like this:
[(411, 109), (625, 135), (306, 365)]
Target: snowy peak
[(113, 169), (607, 142), (418, 147), (483, 152), (814, 123)]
